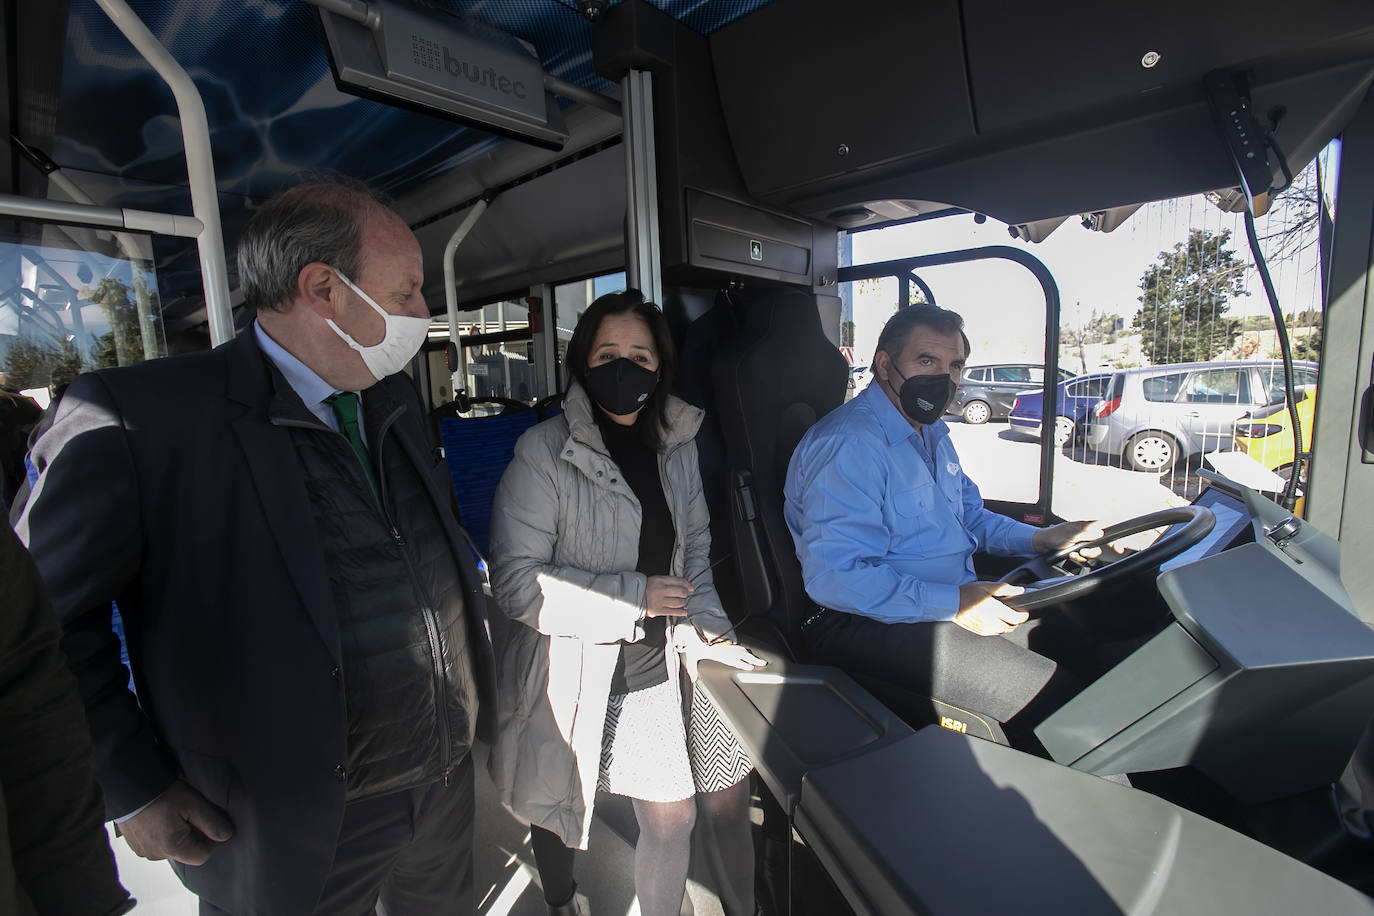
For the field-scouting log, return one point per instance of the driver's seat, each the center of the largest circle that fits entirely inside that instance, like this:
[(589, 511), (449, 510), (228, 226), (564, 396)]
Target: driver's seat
[(774, 378)]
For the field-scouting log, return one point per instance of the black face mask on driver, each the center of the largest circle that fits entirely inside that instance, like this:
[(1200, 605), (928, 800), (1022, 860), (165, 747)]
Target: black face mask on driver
[(621, 386), (925, 397)]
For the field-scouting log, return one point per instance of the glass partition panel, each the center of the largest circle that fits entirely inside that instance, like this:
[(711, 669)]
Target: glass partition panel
[(66, 310)]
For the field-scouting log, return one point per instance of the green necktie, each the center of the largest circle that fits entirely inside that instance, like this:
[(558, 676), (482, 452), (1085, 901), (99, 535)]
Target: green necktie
[(345, 404)]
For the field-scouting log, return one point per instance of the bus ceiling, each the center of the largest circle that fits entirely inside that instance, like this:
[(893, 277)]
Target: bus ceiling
[(1018, 112), (792, 118)]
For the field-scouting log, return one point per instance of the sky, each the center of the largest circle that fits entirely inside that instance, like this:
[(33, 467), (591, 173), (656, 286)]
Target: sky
[(1002, 304)]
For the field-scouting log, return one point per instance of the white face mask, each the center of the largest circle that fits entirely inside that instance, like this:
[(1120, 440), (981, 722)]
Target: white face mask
[(400, 342)]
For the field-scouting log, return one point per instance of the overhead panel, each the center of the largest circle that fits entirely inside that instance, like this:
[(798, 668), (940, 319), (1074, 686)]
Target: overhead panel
[(739, 239), (813, 90), (442, 64), (1022, 112), (1122, 57)]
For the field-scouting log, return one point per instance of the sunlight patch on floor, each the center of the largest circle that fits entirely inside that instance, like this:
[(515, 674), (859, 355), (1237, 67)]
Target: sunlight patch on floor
[(505, 901)]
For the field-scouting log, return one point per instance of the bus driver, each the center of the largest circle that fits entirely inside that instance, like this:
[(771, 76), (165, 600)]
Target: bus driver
[(886, 523)]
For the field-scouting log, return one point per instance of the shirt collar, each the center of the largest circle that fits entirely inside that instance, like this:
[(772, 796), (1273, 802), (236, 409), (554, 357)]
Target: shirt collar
[(303, 380), (895, 426)]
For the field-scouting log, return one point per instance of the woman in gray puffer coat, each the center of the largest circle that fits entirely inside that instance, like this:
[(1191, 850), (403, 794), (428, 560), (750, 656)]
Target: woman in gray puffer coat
[(599, 556)]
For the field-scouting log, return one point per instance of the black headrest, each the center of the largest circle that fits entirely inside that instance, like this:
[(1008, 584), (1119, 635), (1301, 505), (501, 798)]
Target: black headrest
[(782, 374)]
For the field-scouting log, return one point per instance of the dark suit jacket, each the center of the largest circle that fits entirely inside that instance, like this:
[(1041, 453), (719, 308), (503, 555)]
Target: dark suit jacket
[(168, 488), (54, 855)]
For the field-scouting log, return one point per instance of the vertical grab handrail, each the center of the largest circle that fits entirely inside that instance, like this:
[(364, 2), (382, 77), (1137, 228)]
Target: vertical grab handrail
[(644, 269), (451, 290), (195, 132)]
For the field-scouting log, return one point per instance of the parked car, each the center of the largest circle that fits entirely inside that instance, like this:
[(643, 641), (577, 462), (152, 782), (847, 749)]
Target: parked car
[(858, 379), (987, 392), (1155, 415), (1074, 401), (1267, 436)]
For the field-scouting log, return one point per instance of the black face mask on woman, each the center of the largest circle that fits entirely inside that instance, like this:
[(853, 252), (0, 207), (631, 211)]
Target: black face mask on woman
[(925, 397), (621, 386)]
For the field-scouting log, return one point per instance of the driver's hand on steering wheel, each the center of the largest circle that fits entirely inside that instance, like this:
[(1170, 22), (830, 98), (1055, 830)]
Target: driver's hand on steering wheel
[(980, 612), (1066, 534)]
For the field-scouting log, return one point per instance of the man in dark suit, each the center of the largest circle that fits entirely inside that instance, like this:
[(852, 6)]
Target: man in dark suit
[(305, 623)]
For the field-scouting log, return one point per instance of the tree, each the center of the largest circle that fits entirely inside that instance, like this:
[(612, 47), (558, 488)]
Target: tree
[(103, 354), (846, 333), (1292, 224), (1102, 327), (1073, 339), (879, 285), (67, 364), (27, 364), (114, 296), (1183, 299), (38, 364), (1308, 346)]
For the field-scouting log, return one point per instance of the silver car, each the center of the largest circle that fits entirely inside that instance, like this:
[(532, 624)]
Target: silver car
[(1155, 415)]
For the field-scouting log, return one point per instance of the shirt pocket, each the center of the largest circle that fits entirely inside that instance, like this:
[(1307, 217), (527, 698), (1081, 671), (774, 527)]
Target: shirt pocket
[(911, 522)]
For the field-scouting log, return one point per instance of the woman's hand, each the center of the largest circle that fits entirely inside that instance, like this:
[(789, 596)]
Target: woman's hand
[(695, 650), (666, 596)]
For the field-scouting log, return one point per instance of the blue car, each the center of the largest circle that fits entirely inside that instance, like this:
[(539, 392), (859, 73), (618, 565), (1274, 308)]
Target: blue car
[(1075, 397)]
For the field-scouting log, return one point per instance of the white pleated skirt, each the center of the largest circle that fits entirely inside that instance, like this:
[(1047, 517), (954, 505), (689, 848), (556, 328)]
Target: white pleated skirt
[(650, 752)]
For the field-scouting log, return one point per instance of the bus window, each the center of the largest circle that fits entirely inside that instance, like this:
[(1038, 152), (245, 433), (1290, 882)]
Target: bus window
[(570, 300), (1171, 286), (1003, 307), (67, 310), (498, 351)]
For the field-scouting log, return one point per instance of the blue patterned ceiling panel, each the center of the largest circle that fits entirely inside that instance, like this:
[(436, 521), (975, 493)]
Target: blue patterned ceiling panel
[(705, 16), (270, 96), (273, 109)]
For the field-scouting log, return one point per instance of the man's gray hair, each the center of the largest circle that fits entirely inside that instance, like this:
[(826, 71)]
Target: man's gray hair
[(316, 221)]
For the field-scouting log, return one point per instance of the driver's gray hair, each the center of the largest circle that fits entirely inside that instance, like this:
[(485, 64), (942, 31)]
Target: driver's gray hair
[(317, 221), (892, 340)]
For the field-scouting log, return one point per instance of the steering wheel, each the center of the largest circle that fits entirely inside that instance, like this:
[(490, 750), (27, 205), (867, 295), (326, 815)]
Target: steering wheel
[(1048, 581)]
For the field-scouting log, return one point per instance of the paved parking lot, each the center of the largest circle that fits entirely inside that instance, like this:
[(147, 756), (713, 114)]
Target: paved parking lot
[(1005, 465)]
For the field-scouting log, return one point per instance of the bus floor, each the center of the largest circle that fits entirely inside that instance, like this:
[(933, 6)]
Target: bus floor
[(507, 883)]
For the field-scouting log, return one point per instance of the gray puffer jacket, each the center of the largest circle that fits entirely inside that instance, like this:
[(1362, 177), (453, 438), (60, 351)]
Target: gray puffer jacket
[(564, 546)]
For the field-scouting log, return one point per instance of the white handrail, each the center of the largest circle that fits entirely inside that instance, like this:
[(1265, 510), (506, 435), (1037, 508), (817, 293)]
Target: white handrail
[(81, 214), (195, 132), (451, 288), (644, 269)]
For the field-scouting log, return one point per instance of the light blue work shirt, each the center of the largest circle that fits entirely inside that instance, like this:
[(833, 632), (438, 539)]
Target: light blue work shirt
[(884, 519), (306, 382)]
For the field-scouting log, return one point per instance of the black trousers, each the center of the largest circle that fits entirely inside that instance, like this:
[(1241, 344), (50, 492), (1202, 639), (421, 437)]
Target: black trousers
[(409, 851), (998, 676)]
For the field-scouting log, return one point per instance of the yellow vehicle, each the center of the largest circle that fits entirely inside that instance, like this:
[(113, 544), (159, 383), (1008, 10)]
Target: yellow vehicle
[(1268, 436)]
